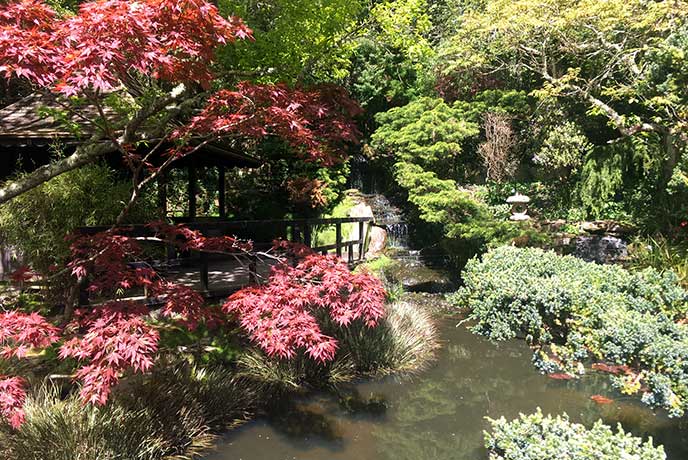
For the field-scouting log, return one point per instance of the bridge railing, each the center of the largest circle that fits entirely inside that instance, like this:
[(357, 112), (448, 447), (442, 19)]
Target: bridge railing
[(263, 233)]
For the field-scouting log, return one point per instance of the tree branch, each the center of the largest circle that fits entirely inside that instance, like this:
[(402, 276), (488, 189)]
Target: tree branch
[(84, 154)]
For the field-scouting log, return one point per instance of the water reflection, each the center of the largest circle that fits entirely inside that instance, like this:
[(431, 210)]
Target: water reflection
[(441, 415)]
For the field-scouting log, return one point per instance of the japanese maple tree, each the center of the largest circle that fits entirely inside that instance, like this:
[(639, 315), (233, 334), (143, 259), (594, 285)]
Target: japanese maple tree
[(155, 58), (282, 316)]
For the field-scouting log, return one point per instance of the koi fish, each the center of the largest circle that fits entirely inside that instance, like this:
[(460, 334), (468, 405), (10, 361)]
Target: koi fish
[(599, 399), (560, 376)]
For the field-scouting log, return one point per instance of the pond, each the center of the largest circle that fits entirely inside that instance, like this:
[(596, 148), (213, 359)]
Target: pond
[(440, 414)]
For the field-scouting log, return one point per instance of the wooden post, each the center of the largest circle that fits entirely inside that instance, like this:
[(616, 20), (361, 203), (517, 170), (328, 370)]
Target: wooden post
[(221, 192), (253, 270), (338, 239), (204, 271), (307, 234), (361, 240), (296, 233), (192, 191), (350, 255), (365, 239)]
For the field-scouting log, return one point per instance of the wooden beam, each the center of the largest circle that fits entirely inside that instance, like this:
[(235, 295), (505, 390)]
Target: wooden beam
[(221, 191), (193, 187), (338, 238)]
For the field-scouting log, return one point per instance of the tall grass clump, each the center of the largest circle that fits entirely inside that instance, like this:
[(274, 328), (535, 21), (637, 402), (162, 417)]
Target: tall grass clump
[(66, 429), (404, 343), (661, 254), (175, 412)]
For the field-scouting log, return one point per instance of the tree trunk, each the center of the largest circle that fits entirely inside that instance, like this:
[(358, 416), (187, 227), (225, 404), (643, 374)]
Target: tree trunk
[(672, 156)]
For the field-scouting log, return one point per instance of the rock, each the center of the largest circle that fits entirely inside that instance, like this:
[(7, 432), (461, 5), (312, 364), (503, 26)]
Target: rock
[(377, 242), (416, 277), (593, 227)]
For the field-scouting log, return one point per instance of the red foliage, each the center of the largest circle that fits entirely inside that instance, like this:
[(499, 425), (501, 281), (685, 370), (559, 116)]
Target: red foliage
[(106, 258), (22, 275), (12, 396), (117, 338), (98, 47), (187, 239), (281, 316), (183, 303), (308, 191), (21, 331), (314, 122)]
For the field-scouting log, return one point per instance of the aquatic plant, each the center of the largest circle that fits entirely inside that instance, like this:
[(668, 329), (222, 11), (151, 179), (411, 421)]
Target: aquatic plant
[(572, 310), (536, 437)]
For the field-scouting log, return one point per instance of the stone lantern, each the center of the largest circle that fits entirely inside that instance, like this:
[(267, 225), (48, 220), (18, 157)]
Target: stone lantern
[(519, 207)]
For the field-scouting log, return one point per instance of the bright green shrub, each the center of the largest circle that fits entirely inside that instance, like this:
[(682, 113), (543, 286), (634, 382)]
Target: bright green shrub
[(584, 310), (538, 437)]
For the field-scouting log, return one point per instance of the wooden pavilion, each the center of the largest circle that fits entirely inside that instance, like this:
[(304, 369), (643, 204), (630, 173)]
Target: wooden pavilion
[(28, 132)]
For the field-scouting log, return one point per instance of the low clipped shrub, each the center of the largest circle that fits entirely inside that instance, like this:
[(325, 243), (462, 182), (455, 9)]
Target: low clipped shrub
[(538, 437), (632, 321)]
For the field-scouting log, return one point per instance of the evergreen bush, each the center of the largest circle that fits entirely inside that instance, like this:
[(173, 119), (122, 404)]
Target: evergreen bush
[(539, 437)]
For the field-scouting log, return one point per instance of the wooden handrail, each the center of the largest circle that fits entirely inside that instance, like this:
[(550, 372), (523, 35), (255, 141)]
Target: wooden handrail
[(301, 231)]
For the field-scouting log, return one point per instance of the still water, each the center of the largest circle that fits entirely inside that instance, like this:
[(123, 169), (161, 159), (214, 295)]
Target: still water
[(441, 414)]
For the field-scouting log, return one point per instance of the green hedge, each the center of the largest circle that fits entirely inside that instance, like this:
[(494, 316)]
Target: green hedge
[(538, 437), (584, 311)]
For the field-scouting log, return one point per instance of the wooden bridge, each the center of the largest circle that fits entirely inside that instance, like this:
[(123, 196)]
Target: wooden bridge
[(218, 275)]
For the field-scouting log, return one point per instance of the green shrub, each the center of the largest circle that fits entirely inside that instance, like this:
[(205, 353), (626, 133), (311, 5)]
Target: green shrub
[(585, 311), (538, 437)]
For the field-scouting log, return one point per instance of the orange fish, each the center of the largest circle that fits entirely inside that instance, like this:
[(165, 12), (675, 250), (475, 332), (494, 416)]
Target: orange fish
[(599, 399), (611, 368), (560, 376)]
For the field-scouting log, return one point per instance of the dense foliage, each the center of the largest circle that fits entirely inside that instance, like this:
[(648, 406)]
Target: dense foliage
[(536, 437), (630, 322)]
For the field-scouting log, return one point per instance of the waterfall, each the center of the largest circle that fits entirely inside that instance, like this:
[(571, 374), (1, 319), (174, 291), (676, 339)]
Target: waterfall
[(390, 218), (397, 235)]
